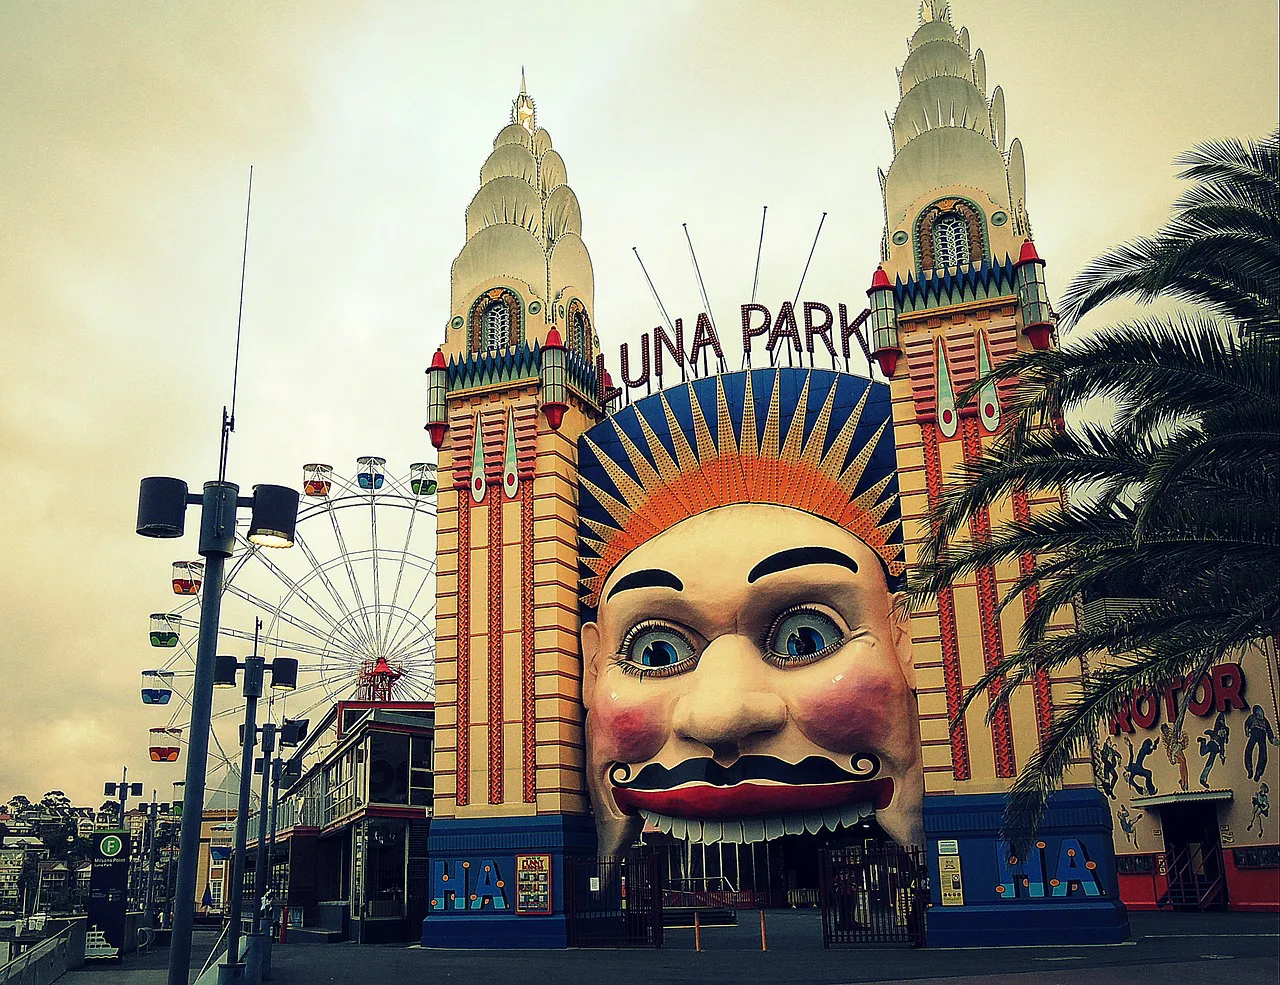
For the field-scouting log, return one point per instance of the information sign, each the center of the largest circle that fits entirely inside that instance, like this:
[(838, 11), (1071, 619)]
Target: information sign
[(533, 885)]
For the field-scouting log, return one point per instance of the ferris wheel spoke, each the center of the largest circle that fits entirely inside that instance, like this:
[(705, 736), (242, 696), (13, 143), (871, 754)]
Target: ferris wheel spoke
[(322, 573), (378, 650), (410, 633), (395, 592), (295, 621), (428, 577), (280, 643), (296, 588), (351, 575)]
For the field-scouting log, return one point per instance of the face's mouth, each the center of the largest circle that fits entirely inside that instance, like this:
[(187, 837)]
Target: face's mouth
[(749, 830), (815, 791)]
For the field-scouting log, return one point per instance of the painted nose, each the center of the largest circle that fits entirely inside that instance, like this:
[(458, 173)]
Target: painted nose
[(728, 702)]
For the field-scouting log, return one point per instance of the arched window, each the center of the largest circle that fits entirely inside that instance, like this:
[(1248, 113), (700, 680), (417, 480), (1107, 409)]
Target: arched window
[(949, 234), (579, 329), (951, 241), (497, 326), (496, 321)]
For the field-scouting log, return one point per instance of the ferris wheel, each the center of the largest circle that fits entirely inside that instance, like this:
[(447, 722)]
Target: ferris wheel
[(353, 601)]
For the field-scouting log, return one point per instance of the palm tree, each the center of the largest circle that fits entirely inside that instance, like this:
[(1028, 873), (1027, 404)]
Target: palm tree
[(1174, 502)]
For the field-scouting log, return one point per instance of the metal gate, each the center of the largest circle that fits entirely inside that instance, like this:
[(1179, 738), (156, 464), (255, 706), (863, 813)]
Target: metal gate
[(613, 901), (873, 896)]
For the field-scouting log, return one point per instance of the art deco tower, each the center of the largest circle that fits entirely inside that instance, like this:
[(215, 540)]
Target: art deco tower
[(511, 388), (959, 289)]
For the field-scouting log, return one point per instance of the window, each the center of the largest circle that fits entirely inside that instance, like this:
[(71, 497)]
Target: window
[(950, 241), (497, 326), (389, 775), (420, 779)]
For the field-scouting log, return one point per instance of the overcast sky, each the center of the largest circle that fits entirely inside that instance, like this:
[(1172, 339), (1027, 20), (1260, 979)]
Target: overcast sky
[(127, 134)]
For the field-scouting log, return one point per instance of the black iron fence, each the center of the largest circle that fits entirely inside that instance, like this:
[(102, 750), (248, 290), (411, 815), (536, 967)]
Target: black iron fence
[(873, 896), (613, 901)]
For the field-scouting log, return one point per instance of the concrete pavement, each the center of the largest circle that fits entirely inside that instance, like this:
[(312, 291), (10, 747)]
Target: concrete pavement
[(1167, 948)]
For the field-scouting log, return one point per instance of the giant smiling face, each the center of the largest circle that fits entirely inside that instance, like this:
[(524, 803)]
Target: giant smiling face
[(746, 677)]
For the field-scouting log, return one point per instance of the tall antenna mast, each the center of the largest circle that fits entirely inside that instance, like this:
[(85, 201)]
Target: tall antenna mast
[(229, 418), (661, 307), (755, 280), (706, 303), (800, 286)]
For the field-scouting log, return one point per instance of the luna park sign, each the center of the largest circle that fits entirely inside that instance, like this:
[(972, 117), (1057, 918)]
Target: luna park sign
[(802, 327)]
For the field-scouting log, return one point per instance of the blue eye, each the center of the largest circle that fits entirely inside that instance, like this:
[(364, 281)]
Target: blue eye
[(803, 634), (657, 647)]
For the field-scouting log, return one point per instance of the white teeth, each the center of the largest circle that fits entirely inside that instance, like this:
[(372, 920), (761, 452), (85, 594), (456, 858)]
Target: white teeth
[(748, 831)]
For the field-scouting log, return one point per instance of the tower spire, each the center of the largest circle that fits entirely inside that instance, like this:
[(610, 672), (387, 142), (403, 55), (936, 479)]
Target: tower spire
[(523, 110)]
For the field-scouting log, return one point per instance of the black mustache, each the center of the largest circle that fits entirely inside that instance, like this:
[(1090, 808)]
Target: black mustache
[(810, 770)]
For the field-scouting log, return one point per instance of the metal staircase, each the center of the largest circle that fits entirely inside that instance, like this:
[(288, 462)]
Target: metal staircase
[(1196, 879)]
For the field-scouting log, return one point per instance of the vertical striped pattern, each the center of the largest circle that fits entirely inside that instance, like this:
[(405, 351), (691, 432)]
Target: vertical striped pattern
[(988, 599), (528, 706), (464, 649), (496, 726), (950, 641), (1040, 685)]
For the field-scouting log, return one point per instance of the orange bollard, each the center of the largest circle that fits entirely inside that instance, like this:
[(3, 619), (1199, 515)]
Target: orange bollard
[(697, 932), (764, 940)]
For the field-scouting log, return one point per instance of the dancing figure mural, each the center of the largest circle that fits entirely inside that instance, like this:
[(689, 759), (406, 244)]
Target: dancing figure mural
[(1261, 808), (1137, 773), (1175, 747), (1260, 734), (745, 673), (1129, 824), (1109, 768), (1213, 746)]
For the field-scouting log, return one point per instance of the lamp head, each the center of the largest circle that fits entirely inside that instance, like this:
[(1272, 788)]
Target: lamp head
[(224, 670), (162, 507), (293, 731), (284, 673), (275, 516)]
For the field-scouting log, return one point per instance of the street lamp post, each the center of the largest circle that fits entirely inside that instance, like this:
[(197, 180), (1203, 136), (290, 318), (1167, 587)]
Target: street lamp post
[(284, 675), (122, 791), (258, 944), (290, 733), (162, 506)]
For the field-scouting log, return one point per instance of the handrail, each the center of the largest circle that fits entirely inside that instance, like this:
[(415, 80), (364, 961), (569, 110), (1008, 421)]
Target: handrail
[(55, 946)]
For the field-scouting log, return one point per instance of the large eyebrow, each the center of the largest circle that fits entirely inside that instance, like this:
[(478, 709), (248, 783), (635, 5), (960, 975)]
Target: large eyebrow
[(797, 557), (646, 578)]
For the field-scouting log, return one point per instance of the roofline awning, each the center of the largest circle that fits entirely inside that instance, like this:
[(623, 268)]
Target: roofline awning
[(1182, 797)]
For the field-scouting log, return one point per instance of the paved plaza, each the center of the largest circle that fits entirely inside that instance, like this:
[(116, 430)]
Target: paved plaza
[(1166, 948)]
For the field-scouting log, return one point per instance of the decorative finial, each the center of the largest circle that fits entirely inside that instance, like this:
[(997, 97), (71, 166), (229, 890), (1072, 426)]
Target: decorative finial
[(523, 110)]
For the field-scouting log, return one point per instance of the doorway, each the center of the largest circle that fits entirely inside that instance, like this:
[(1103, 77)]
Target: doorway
[(1194, 851)]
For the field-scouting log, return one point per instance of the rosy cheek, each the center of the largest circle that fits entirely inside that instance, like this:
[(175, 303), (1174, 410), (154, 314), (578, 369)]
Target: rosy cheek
[(629, 722), (853, 709)]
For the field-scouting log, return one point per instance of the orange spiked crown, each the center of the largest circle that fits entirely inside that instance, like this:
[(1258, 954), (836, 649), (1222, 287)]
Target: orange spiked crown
[(813, 440)]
